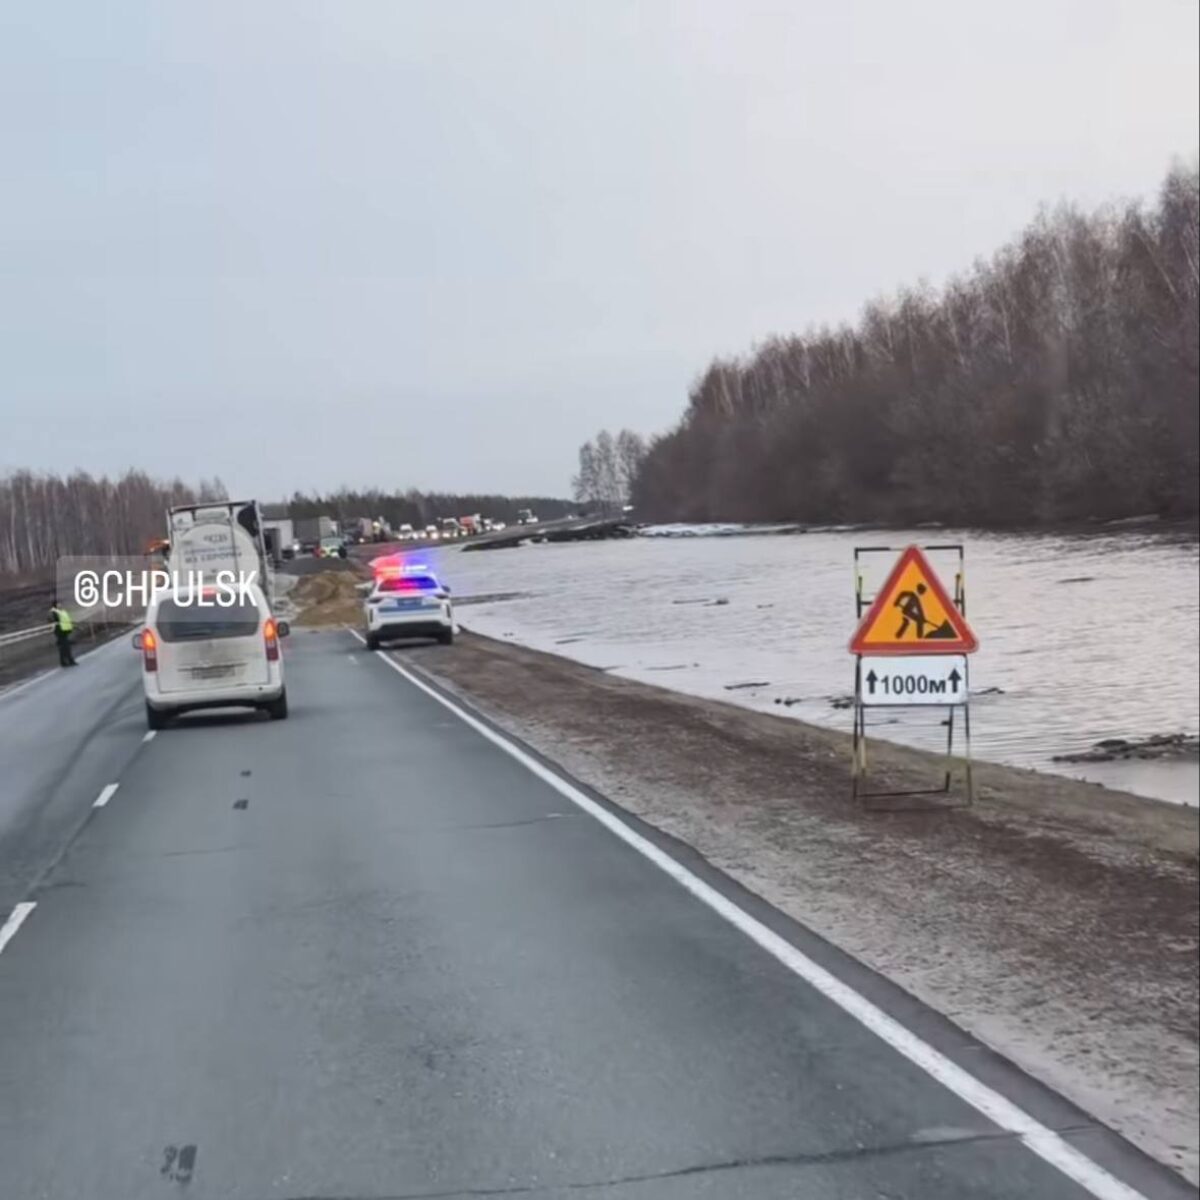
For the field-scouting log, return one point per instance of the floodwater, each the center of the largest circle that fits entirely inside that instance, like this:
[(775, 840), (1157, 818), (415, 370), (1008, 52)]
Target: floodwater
[(1082, 637)]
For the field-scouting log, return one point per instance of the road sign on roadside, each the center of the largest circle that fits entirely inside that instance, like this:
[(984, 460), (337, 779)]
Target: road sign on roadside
[(913, 614), (939, 679), (910, 650)]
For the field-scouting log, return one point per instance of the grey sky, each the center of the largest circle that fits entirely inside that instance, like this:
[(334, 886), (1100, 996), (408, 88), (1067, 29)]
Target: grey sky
[(298, 243)]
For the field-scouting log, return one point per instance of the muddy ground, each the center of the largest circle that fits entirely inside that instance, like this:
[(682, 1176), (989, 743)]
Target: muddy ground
[(327, 597), (1055, 920)]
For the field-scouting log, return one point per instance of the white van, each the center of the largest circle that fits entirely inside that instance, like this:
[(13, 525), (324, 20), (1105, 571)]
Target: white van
[(211, 655)]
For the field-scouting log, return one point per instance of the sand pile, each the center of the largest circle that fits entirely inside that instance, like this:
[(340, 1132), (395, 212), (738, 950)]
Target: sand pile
[(328, 598)]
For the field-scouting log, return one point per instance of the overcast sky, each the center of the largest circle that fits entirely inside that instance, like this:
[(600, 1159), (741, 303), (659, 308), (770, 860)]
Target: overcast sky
[(299, 243)]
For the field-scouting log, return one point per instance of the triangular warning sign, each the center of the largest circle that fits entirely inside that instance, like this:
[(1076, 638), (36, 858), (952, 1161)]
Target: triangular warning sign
[(912, 614)]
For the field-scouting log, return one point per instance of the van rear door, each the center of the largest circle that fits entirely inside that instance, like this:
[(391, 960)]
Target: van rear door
[(214, 646)]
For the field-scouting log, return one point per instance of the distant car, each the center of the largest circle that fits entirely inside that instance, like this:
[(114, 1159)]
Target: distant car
[(408, 603), (526, 516), (199, 652), (431, 532), (405, 533), (331, 547)]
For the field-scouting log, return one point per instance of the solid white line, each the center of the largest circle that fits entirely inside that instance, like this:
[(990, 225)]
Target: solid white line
[(148, 736), (17, 688), (15, 921), (110, 790), (52, 672), (353, 659), (1037, 1137)]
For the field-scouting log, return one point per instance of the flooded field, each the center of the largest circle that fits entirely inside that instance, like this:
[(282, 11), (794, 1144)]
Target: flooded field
[(1083, 638)]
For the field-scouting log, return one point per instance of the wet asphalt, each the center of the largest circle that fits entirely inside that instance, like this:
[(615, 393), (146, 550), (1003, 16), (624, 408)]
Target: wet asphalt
[(364, 954)]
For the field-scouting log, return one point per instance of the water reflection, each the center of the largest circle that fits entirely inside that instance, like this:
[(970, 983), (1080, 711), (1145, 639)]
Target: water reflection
[(1082, 637)]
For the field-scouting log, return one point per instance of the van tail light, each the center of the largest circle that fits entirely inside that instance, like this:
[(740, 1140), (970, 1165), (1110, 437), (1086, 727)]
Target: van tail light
[(149, 650), (271, 637)]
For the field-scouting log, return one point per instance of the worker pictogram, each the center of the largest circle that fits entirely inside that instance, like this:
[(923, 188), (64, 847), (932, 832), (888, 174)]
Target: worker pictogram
[(913, 614)]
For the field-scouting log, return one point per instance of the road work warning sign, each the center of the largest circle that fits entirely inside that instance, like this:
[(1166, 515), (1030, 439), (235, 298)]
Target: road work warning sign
[(913, 614)]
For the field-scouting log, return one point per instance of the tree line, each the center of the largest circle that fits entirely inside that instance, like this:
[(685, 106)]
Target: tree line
[(44, 517), (418, 509), (1055, 382)]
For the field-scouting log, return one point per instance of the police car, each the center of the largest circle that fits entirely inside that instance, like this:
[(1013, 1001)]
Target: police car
[(408, 601)]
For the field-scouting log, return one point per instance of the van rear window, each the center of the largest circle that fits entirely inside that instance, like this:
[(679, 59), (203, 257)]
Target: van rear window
[(192, 622)]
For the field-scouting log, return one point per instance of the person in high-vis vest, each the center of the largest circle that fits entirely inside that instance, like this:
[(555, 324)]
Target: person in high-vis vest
[(62, 624)]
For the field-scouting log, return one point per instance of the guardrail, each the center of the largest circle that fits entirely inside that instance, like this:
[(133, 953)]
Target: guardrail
[(85, 626), (21, 635)]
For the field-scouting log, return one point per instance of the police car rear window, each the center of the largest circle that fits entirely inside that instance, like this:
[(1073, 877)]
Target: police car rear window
[(408, 583), (194, 622)]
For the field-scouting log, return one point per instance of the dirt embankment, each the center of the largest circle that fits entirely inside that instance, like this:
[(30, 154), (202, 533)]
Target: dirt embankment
[(1055, 920), (327, 597)]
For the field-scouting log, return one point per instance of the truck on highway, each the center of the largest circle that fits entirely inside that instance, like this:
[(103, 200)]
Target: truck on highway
[(311, 530), (279, 533), (526, 516), (273, 546), (222, 535), (360, 529)]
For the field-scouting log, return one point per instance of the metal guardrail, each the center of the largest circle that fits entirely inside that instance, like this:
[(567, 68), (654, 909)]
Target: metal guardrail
[(85, 623), (21, 635)]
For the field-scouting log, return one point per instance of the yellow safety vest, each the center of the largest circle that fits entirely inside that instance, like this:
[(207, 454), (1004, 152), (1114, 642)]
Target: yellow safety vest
[(63, 619)]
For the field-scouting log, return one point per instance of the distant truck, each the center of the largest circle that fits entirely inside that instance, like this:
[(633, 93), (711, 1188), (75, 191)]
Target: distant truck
[(361, 529), (450, 528), (224, 535), (526, 516), (273, 546), (311, 530), (279, 534), (471, 524)]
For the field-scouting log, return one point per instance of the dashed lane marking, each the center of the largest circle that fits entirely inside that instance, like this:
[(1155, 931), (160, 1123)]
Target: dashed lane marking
[(108, 792)]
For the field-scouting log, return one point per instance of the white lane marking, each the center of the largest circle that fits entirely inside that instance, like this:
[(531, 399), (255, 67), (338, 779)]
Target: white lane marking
[(53, 672), (110, 790), (1039, 1138), (148, 736), (17, 688), (16, 919), (353, 659)]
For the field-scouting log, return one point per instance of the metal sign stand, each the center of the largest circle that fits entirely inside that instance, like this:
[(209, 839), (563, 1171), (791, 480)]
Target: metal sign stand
[(873, 800)]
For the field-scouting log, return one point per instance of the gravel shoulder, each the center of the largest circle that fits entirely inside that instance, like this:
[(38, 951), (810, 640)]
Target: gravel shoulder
[(1055, 920)]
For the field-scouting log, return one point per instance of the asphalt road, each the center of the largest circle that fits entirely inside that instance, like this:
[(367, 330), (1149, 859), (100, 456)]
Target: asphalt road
[(365, 953)]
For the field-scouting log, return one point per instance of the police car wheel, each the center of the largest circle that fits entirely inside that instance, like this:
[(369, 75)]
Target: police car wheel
[(446, 637), (372, 642)]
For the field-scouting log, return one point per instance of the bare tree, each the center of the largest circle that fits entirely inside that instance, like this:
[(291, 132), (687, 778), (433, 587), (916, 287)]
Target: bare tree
[(608, 470), (631, 450), (584, 485)]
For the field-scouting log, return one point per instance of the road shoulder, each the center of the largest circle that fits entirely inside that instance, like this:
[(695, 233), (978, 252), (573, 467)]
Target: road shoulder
[(1055, 921)]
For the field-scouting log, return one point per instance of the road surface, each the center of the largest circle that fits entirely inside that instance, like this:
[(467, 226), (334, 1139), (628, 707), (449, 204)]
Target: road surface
[(369, 952)]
